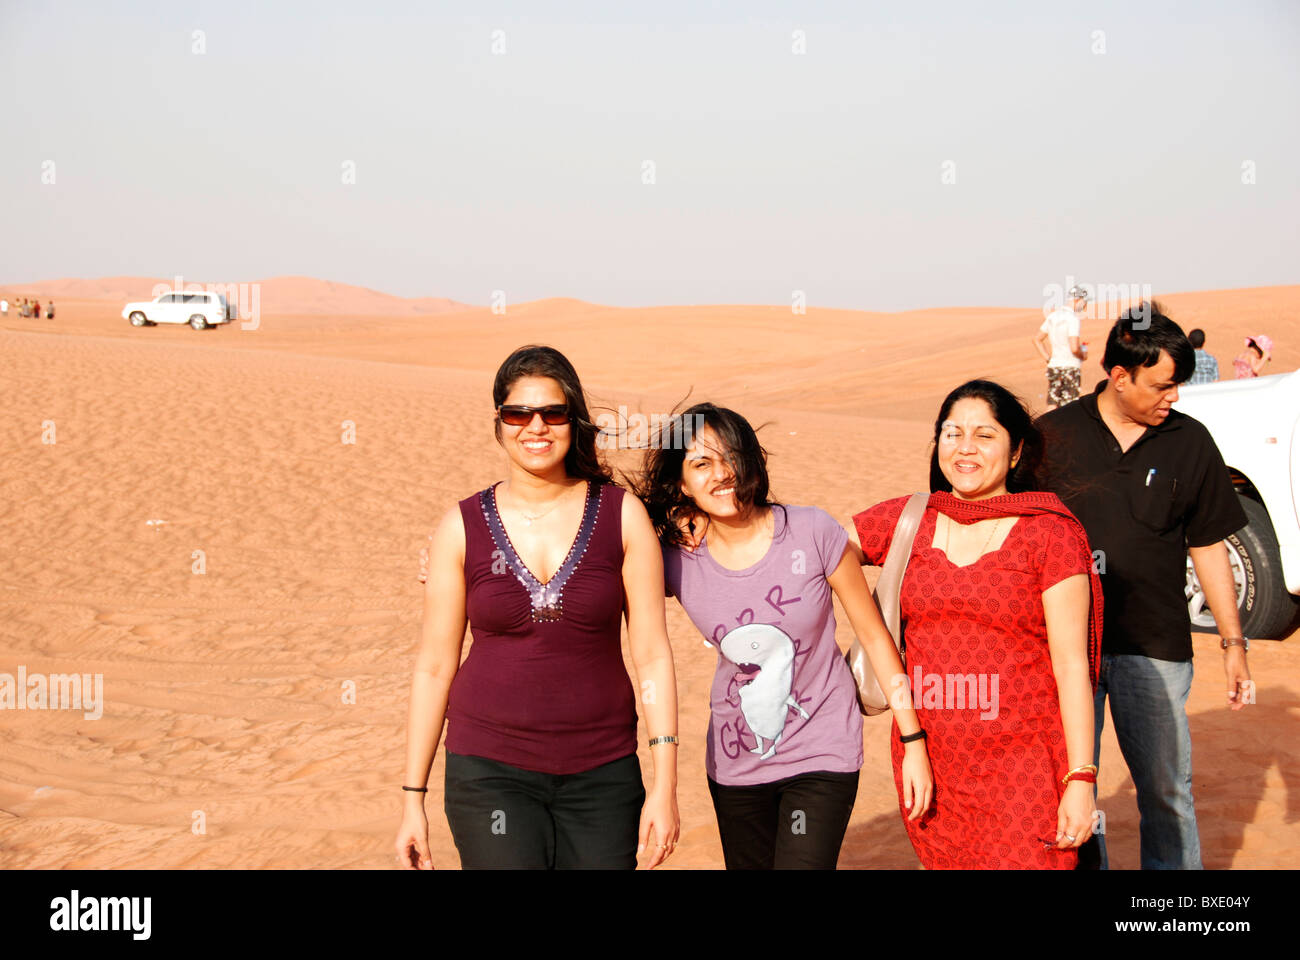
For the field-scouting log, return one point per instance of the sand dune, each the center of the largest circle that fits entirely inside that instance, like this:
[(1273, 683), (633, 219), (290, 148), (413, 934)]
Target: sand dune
[(277, 295), (225, 691)]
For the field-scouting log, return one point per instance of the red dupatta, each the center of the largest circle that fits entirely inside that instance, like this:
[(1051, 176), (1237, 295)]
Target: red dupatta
[(1031, 504)]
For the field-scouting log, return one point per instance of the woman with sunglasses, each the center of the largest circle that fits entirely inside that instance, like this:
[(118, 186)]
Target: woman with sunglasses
[(756, 578), (541, 763)]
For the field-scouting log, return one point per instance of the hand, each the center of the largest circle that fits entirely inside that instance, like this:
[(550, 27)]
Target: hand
[(693, 526), (660, 827), (918, 781), (1074, 817), (424, 561), (1238, 674), (413, 841)]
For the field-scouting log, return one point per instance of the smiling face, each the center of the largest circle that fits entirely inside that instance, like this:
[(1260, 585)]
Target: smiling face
[(974, 450), (707, 476), (1146, 396), (539, 447)]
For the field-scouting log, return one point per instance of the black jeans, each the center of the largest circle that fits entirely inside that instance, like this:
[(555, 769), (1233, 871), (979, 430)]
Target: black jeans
[(793, 824), (506, 818)]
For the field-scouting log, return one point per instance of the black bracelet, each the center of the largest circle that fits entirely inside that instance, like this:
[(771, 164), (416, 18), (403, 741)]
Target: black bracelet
[(919, 735), (417, 789)]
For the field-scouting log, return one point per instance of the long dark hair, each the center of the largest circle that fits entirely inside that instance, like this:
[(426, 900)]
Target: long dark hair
[(1010, 412), (580, 460), (659, 482)]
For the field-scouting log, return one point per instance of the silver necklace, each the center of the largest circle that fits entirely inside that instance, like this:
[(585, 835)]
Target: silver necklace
[(947, 531), (530, 517)]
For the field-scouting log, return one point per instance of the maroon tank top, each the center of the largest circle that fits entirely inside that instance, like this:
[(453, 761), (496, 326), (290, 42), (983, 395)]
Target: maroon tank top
[(544, 686)]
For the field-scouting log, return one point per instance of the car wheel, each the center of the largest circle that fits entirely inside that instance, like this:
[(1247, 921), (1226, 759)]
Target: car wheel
[(1265, 607), (197, 321), (138, 319)]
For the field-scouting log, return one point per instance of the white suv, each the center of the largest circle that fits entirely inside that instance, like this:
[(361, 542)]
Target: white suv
[(1256, 425), (198, 309)]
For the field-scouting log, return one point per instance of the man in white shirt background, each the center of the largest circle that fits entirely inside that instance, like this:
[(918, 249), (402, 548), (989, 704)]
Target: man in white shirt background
[(1057, 342)]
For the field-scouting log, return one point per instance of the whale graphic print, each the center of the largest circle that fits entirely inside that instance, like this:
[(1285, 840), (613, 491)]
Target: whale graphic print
[(767, 699)]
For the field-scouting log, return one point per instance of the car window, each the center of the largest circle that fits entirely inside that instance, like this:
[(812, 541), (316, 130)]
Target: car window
[(167, 298)]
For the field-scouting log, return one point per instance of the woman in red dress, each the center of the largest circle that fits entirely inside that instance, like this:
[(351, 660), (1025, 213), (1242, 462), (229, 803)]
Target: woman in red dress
[(1001, 618)]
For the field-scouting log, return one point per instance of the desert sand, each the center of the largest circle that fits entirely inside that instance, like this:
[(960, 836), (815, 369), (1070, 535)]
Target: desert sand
[(225, 692)]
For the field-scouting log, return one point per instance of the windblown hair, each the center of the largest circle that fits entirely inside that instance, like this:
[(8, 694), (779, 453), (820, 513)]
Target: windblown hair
[(659, 482)]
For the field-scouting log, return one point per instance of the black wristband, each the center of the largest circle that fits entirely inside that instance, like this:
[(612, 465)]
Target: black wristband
[(417, 789), (919, 735)]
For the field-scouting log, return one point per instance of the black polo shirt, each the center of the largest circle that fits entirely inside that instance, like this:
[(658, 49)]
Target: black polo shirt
[(1142, 509)]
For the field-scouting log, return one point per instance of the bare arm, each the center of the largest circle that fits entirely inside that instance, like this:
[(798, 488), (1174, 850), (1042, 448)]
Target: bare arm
[(850, 585), (652, 661), (1040, 344), (1065, 609), (1075, 348), (1215, 573), (442, 634)]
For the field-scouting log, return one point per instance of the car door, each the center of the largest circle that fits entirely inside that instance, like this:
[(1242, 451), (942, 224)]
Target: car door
[(164, 310)]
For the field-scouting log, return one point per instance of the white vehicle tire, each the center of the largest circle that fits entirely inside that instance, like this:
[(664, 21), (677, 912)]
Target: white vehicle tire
[(198, 321), (138, 319), (1266, 609)]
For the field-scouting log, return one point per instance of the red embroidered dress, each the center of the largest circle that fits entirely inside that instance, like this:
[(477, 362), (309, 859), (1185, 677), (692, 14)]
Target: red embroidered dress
[(981, 676)]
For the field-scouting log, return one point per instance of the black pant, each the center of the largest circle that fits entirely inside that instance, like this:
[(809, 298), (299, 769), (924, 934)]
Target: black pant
[(503, 817), (793, 824)]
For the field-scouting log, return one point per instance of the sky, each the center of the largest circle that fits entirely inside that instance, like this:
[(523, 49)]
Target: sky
[(872, 156)]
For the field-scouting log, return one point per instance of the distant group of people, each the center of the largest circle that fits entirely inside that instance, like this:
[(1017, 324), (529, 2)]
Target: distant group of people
[(1058, 343), (1249, 363), (544, 566), (28, 308)]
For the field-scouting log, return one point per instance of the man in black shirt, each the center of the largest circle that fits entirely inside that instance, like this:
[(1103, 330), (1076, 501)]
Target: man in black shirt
[(1150, 487)]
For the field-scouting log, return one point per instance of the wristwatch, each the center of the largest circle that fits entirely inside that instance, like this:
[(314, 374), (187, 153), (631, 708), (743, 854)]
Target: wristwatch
[(1225, 643)]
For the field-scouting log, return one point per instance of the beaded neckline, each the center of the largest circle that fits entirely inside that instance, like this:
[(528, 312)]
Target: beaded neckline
[(546, 599)]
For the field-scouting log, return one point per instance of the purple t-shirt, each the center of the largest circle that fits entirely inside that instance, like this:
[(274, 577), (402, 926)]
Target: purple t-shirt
[(783, 701)]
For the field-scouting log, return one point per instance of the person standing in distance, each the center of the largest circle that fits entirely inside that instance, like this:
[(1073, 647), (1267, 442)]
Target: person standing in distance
[(1150, 487), (1057, 342), (1207, 368)]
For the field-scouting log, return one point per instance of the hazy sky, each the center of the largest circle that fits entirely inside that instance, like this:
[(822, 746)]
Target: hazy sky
[(774, 170)]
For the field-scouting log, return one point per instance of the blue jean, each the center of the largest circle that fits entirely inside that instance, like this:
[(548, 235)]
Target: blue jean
[(1148, 702)]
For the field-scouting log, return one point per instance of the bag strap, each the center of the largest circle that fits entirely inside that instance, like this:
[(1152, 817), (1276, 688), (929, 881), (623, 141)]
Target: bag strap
[(900, 551)]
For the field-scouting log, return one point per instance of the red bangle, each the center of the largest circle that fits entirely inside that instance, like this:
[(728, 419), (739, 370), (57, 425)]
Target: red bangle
[(1087, 776)]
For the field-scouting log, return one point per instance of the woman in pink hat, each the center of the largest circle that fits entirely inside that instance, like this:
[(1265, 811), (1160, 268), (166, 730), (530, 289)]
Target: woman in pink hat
[(1259, 351)]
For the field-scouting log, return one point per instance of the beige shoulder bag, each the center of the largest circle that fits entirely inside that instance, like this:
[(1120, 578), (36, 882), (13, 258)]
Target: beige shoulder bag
[(871, 699)]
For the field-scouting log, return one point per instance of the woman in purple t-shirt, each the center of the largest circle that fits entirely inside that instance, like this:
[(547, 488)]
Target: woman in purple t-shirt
[(785, 733)]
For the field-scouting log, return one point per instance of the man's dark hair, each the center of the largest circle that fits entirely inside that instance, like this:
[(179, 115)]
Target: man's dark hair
[(1196, 338), (1140, 335)]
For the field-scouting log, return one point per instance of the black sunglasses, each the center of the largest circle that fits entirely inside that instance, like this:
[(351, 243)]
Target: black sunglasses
[(517, 415)]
